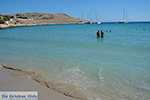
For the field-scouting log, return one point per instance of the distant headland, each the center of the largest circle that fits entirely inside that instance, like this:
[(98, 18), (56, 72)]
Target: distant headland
[(30, 19)]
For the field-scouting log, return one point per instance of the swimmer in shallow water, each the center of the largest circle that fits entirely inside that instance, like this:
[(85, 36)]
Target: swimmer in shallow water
[(102, 34), (98, 34)]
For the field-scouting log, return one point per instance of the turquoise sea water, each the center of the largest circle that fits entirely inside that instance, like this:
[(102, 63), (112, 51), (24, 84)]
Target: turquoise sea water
[(116, 67)]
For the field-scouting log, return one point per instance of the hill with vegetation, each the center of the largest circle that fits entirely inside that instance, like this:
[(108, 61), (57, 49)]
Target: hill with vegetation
[(27, 19)]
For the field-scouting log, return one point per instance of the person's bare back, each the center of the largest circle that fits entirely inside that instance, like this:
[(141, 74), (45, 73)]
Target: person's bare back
[(98, 34), (102, 34)]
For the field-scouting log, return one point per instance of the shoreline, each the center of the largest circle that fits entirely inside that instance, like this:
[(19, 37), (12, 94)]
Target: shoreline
[(30, 81), (4, 26)]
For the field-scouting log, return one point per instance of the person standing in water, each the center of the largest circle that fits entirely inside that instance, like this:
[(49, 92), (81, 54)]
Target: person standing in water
[(102, 34), (98, 34)]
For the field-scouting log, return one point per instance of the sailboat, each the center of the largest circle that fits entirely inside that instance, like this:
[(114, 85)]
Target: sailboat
[(123, 21), (95, 18), (99, 22)]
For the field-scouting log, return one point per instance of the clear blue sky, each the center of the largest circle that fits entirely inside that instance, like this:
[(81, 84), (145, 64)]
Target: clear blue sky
[(105, 10)]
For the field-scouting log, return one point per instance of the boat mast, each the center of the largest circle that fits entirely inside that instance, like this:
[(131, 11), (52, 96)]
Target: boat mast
[(123, 13)]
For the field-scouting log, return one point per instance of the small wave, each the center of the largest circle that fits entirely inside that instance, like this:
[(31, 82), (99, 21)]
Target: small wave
[(66, 89), (23, 40), (140, 86), (100, 77)]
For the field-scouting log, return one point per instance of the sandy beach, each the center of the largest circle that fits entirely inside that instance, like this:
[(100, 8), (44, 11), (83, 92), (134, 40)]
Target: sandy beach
[(16, 80)]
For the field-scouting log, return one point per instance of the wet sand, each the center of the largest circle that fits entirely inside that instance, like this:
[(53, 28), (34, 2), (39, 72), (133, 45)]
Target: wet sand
[(16, 80)]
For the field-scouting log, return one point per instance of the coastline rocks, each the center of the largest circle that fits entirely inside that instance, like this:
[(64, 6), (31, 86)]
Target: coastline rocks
[(3, 26)]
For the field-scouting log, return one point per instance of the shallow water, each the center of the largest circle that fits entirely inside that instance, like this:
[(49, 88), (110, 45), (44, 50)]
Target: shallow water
[(116, 67)]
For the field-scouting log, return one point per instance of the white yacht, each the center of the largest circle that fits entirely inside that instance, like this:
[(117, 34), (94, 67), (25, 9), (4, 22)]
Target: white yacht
[(123, 21)]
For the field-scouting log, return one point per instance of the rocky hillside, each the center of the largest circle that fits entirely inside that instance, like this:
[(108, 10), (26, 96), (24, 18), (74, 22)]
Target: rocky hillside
[(27, 19), (42, 18)]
